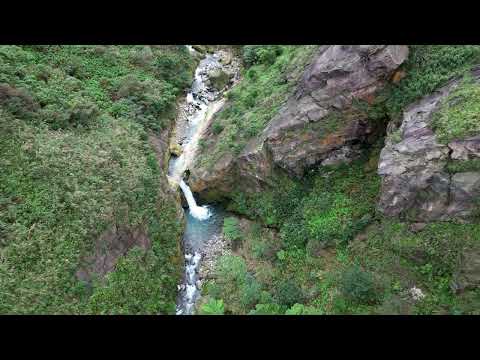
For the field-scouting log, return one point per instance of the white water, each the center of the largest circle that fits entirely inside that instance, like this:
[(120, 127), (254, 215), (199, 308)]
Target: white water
[(197, 107), (198, 212), (202, 221)]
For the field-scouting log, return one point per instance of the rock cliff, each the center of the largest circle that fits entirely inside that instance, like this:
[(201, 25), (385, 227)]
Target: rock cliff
[(416, 182), (320, 123)]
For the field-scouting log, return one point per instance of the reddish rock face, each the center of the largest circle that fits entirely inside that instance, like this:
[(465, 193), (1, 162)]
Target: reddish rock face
[(109, 247), (317, 122)]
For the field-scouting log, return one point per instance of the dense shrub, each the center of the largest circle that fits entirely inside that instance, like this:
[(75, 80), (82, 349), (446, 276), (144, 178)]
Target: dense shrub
[(174, 68), (234, 285), (134, 288), (148, 102), (61, 186), (142, 56), (300, 309), (267, 309), (358, 286), (217, 127), (212, 307), (231, 231), (261, 54), (288, 293), (83, 113), (17, 101)]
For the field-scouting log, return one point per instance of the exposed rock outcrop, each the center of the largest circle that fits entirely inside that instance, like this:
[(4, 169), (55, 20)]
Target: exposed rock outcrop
[(120, 238), (415, 182), (468, 273), (218, 78), (319, 122), (109, 247)]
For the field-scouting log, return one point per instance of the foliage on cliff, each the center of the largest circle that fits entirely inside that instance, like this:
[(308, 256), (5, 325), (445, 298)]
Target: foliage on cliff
[(74, 123), (336, 254), (269, 76)]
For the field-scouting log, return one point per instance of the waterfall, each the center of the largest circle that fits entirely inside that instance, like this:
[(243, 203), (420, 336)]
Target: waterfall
[(202, 222), (198, 212)]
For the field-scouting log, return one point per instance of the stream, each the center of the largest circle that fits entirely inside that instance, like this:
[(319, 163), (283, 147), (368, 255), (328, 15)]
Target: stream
[(203, 222)]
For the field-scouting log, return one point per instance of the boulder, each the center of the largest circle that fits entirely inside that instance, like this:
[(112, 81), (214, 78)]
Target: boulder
[(218, 78), (202, 49), (175, 149), (415, 181), (226, 57), (468, 274)]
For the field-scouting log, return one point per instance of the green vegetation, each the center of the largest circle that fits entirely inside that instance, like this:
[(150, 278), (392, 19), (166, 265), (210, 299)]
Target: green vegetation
[(456, 166), (76, 86), (261, 54), (74, 125), (336, 255), (333, 253), (231, 231), (428, 259), (234, 285), (459, 113), (270, 76), (358, 286), (427, 68), (212, 307)]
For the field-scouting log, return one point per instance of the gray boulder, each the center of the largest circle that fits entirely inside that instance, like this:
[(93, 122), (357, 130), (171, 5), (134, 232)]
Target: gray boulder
[(468, 274), (415, 182)]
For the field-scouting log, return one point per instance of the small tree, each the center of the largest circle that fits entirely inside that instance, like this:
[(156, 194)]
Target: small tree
[(231, 231), (358, 286), (212, 307)]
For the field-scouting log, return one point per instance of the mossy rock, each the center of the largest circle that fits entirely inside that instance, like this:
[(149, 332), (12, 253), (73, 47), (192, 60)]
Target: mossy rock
[(218, 78), (175, 149), (202, 49)]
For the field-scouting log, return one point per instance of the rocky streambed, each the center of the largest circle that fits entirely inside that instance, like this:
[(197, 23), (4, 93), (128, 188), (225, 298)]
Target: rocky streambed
[(202, 240)]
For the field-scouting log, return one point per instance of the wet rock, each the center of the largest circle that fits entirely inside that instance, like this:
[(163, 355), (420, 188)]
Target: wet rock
[(343, 155), (465, 149), (202, 49), (416, 293), (175, 149), (218, 78), (226, 57), (412, 165), (212, 250)]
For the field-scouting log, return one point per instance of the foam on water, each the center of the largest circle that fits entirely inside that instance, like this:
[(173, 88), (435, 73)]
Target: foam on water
[(202, 221)]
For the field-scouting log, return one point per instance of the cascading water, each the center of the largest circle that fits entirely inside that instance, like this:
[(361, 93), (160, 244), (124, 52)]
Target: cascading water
[(203, 222), (199, 212)]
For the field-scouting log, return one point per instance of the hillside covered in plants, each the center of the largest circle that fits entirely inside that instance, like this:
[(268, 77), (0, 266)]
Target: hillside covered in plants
[(240, 180), (82, 190)]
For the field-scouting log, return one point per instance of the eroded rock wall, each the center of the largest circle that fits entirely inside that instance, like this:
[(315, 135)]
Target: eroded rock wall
[(415, 181), (318, 123)]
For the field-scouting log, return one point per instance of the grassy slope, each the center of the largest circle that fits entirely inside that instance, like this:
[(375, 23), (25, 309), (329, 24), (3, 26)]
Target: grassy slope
[(324, 266), (75, 160)]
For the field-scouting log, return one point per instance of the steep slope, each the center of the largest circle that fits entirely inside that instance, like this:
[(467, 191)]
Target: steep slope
[(88, 222), (322, 120), (332, 252), (429, 165)]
